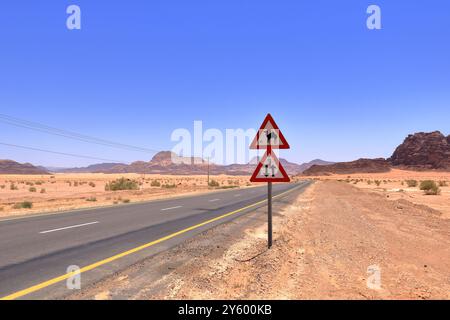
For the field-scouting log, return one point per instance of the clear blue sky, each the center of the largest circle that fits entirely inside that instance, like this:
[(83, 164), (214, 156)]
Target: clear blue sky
[(140, 69)]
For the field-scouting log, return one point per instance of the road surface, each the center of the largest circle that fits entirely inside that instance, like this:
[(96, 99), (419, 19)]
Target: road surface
[(35, 252)]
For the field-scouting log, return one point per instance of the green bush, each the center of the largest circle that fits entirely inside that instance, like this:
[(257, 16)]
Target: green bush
[(169, 186), (430, 187), (32, 189), (155, 183), (122, 184), (412, 183), (214, 183), (23, 205)]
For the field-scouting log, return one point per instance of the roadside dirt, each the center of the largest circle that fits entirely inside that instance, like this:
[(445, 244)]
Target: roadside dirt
[(326, 241)]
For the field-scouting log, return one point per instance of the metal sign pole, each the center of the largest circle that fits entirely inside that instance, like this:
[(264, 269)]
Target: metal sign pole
[(270, 214)]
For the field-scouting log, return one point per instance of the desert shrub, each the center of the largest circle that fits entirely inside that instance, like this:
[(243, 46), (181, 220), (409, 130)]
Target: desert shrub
[(122, 184), (169, 186), (411, 183), (155, 183), (229, 187), (91, 199), (43, 190), (13, 187), (430, 187), (23, 205), (126, 201), (442, 183), (38, 183), (75, 184), (377, 182), (91, 184), (369, 182), (32, 189), (214, 183), (2, 186)]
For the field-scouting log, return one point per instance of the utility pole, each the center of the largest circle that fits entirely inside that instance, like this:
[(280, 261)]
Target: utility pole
[(208, 172)]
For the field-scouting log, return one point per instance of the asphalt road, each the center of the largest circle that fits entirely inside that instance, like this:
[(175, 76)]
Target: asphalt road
[(34, 250)]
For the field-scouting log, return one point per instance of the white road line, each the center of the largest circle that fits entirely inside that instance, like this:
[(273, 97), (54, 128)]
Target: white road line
[(173, 208), (214, 200), (70, 227)]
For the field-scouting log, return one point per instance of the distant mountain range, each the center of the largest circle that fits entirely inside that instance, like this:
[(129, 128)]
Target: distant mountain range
[(162, 163), (419, 151)]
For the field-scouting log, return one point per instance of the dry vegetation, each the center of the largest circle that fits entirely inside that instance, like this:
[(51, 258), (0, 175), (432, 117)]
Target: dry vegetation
[(25, 194), (430, 188)]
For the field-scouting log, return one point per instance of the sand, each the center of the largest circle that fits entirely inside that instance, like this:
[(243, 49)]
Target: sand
[(393, 186), (59, 192)]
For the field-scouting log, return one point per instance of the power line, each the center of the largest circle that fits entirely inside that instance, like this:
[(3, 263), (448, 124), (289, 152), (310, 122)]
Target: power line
[(70, 134), (59, 153)]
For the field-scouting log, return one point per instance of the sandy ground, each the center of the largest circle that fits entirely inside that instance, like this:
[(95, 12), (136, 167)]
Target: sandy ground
[(330, 243), (393, 186), (74, 191)]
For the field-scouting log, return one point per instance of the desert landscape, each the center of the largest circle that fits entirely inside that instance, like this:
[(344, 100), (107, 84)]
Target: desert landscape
[(392, 213), (28, 194)]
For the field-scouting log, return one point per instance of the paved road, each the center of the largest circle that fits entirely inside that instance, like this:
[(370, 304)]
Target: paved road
[(34, 250)]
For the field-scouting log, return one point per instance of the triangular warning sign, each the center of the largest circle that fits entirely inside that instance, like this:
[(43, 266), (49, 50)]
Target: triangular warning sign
[(269, 135), (270, 169)]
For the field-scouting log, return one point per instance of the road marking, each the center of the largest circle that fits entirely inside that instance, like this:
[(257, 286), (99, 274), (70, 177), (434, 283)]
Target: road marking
[(70, 227), (95, 265), (173, 208), (214, 200)]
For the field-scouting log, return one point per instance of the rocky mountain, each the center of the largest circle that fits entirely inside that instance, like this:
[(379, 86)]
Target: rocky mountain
[(358, 166), (419, 151), (423, 151), (305, 166), (13, 167)]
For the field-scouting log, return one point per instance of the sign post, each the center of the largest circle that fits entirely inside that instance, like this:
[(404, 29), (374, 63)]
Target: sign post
[(269, 211), (269, 169)]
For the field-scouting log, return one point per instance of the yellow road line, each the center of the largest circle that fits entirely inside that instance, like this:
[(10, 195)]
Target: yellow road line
[(63, 277)]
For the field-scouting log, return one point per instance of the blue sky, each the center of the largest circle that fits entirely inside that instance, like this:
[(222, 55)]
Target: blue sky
[(137, 70)]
